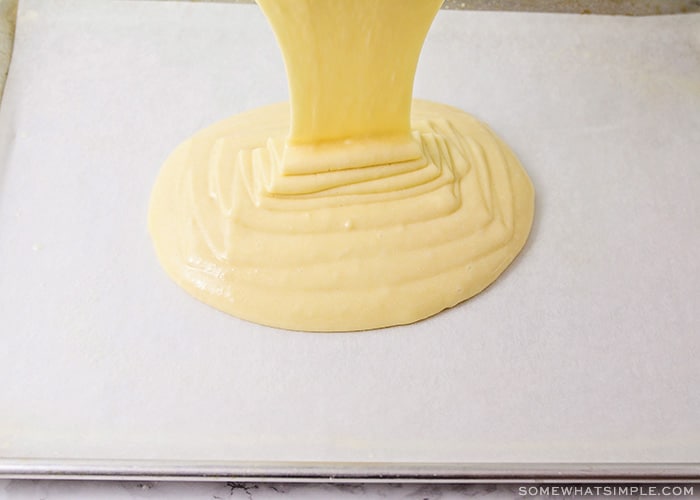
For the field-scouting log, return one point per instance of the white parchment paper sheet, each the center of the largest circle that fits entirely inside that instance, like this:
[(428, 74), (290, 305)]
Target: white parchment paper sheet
[(585, 350)]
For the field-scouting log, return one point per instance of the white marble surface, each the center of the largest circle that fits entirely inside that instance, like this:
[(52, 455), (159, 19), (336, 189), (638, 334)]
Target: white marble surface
[(117, 490), (94, 490)]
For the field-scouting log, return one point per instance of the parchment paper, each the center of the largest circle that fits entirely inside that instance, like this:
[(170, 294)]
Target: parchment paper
[(586, 349)]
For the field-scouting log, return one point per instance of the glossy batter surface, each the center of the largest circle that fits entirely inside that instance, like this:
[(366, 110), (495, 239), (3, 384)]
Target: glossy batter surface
[(352, 208)]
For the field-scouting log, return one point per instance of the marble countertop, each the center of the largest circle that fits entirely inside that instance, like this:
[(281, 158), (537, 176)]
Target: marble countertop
[(118, 490)]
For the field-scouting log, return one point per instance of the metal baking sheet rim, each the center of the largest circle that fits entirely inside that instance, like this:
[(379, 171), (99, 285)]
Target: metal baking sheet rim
[(297, 472)]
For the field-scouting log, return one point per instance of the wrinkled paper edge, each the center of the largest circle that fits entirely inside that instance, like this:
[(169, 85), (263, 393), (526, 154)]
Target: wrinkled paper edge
[(8, 15)]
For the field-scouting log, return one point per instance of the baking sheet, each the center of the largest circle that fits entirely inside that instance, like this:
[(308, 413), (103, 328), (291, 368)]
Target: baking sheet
[(584, 351)]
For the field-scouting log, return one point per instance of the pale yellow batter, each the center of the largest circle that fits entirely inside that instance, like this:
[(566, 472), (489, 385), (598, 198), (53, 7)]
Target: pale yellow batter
[(353, 207)]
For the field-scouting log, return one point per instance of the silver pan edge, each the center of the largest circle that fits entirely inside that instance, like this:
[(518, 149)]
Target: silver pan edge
[(348, 472)]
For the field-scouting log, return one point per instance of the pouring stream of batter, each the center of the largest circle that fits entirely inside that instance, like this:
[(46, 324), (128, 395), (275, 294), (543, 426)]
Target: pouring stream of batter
[(352, 207)]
